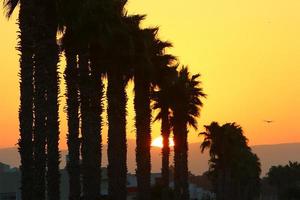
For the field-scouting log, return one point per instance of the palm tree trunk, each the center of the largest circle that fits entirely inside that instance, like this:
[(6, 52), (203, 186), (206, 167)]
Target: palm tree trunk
[(26, 99), (117, 145), (73, 164), (181, 165), (177, 164), (165, 132), (84, 106), (95, 139), (219, 185), (91, 91), (227, 184), (52, 124), (143, 136), (185, 171), (40, 121), (90, 137)]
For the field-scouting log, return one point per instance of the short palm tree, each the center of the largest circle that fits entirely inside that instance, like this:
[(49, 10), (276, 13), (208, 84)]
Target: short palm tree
[(214, 140), (234, 168), (187, 94)]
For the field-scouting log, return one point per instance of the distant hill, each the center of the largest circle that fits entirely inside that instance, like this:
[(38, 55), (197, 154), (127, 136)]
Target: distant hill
[(198, 163)]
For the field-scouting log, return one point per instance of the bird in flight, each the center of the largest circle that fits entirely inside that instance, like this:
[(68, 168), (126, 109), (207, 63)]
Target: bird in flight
[(268, 121)]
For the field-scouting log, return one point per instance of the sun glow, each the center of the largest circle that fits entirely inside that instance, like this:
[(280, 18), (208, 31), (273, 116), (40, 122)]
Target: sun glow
[(158, 142)]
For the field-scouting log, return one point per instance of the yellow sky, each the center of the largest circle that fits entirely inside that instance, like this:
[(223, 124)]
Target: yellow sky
[(248, 53)]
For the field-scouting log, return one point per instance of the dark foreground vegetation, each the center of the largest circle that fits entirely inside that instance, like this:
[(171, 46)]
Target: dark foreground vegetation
[(102, 44), (285, 181), (233, 169)]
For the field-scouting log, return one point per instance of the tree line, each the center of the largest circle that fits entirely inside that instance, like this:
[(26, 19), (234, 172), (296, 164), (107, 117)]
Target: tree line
[(100, 42)]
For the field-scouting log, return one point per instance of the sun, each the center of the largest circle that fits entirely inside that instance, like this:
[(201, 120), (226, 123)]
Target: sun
[(158, 142)]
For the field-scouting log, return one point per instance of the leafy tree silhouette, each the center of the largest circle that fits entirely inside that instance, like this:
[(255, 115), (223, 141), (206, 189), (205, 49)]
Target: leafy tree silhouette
[(234, 169)]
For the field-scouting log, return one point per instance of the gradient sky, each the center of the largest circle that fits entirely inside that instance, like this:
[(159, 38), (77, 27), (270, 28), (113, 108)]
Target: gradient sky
[(248, 53)]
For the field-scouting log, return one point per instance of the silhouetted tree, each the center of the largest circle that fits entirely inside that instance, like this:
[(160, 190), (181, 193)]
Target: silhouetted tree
[(47, 56), (142, 82), (72, 95), (88, 77), (162, 102), (25, 47), (186, 108), (286, 180), (118, 74), (39, 57), (234, 169)]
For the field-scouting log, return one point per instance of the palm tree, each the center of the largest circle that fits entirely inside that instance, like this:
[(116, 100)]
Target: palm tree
[(163, 78), (186, 108), (25, 47), (118, 53), (48, 53), (234, 168), (90, 88), (162, 102), (71, 42), (213, 139), (39, 54), (142, 108), (148, 58), (117, 144)]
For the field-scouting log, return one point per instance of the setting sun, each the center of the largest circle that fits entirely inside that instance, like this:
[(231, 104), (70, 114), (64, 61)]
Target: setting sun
[(158, 142)]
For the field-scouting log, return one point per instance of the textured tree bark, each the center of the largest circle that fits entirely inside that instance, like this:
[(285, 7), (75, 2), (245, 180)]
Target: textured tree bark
[(52, 103), (165, 132), (143, 136), (117, 144), (90, 134), (95, 110), (181, 170), (72, 94), (25, 143), (177, 163)]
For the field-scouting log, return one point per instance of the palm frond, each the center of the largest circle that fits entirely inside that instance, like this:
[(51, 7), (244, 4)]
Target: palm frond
[(9, 7)]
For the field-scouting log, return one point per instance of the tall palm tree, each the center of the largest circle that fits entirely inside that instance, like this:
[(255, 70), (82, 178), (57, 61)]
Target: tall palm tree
[(90, 87), (46, 129), (186, 108), (118, 76), (89, 22), (48, 52), (148, 51), (117, 145), (25, 47), (38, 43), (142, 83), (69, 25), (162, 102)]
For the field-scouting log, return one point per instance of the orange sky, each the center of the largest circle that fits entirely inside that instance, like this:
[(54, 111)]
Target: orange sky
[(248, 53)]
